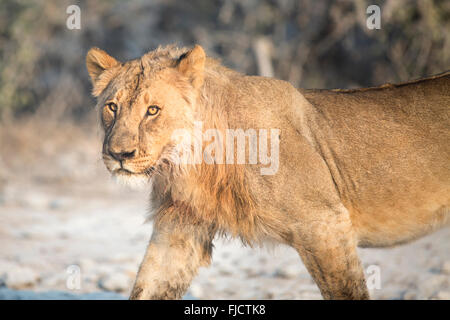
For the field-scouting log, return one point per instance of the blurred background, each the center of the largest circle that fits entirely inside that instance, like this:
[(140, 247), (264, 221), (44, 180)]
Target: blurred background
[(57, 205)]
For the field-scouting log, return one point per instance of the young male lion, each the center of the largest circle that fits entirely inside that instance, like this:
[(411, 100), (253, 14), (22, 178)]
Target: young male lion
[(367, 167)]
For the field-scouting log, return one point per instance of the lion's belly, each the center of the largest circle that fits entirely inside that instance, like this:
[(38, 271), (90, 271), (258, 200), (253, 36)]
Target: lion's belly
[(388, 226), (398, 197)]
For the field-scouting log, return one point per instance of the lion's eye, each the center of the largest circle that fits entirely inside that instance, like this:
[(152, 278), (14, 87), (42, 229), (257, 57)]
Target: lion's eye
[(153, 110), (112, 107)]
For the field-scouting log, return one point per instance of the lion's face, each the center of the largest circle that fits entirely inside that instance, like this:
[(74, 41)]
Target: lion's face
[(141, 103), (138, 125)]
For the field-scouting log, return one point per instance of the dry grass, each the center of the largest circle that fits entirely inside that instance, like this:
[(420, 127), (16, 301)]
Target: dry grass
[(307, 42)]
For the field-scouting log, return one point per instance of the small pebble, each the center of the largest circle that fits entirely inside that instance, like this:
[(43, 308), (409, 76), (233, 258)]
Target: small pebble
[(117, 282), (443, 295), (446, 267), (19, 278)]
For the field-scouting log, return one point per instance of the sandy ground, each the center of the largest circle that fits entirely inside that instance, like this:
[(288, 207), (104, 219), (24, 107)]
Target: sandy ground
[(58, 229)]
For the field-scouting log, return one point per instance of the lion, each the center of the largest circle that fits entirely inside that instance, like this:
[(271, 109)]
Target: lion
[(364, 167)]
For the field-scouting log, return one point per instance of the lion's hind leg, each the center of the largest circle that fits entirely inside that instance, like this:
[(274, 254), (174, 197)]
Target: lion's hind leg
[(327, 247)]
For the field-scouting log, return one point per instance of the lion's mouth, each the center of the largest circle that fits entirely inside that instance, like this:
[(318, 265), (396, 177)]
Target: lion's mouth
[(123, 171), (128, 172)]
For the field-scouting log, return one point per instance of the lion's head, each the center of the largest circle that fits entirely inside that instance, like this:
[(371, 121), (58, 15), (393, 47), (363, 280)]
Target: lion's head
[(141, 102)]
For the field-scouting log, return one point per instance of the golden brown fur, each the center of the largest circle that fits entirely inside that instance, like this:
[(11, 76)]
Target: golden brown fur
[(365, 167)]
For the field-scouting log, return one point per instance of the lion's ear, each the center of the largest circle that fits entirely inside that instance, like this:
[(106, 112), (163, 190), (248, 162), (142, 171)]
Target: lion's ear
[(192, 65), (97, 62)]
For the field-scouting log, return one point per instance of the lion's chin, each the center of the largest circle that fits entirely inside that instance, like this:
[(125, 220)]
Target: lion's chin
[(134, 181)]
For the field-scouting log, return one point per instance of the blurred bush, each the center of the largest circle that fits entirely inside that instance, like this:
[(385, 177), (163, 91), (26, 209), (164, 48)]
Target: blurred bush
[(311, 43)]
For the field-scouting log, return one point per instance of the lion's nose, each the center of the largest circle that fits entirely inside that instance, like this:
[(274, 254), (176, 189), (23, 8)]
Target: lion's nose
[(122, 155)]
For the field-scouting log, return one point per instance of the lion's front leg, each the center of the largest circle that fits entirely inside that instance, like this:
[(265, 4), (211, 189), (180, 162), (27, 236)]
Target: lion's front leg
[(172, 259)]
